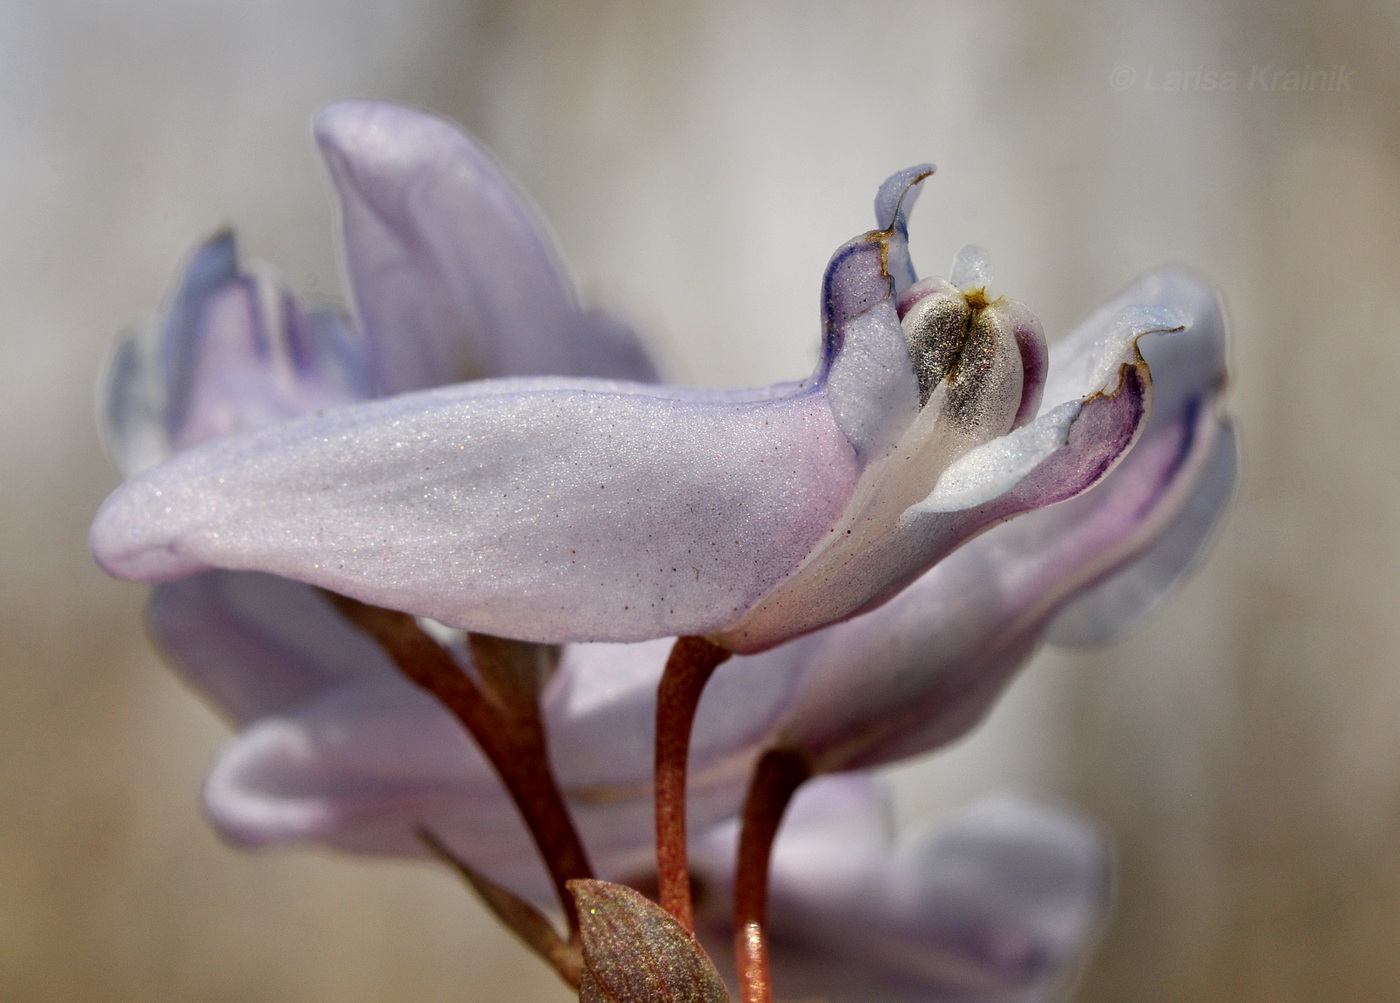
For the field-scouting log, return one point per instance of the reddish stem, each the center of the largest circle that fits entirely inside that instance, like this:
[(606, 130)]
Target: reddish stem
[(692, 661), (776, 778), (512, 739)]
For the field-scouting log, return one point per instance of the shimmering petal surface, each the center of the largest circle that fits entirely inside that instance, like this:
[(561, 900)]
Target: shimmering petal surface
[(1000, 902), (454, 276), (481, 505)]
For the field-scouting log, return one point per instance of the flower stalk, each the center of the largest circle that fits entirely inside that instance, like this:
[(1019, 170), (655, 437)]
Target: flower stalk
[(776, 778), (692, 661)]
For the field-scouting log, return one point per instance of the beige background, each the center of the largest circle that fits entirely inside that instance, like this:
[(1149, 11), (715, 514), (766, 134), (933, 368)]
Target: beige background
[(700, 161)]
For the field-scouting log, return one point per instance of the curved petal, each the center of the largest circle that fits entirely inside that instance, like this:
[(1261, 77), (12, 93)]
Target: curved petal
[(131, 402), (483, 506), (866, 363), (260, 360), (360, 768), (255, 644), (1000, 902), (893, 204), (454, 276), (1123, 600)]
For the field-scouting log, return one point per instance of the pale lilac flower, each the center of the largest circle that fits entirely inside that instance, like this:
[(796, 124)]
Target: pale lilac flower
[(999, 902), (757, 515), (569, 509), (911, 676)]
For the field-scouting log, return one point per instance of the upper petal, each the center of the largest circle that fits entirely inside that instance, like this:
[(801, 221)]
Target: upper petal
[(538, 510), (454, 275)]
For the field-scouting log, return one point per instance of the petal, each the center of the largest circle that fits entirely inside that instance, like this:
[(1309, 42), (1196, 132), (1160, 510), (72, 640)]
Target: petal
[(1185, 366), (1125, 599), (255, 644), (529, 509), (362, 764), (866, 364), (212, 269), (232, 350), (1000, 902), (256, 359), (131, 402), (145, 390), (454, 276), (359, 768), (893, 204)]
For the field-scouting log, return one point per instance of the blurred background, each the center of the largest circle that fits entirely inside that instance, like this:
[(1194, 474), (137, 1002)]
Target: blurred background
[(700, 161)]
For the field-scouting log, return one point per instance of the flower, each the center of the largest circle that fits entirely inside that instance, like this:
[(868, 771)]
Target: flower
[(908, 677), (235, 351), (584, 509), (848, 533)]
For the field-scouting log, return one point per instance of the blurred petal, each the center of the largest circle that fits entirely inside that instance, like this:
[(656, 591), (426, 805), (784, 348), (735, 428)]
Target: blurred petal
[(1000, 902), (1125, 599), (358, 768), (255, 644), (131, 402), (146, 387), (259, 360), (231, 350), (454, 276)]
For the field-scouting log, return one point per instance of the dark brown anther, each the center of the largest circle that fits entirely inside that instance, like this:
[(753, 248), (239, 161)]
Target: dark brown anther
[(936, 328)]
